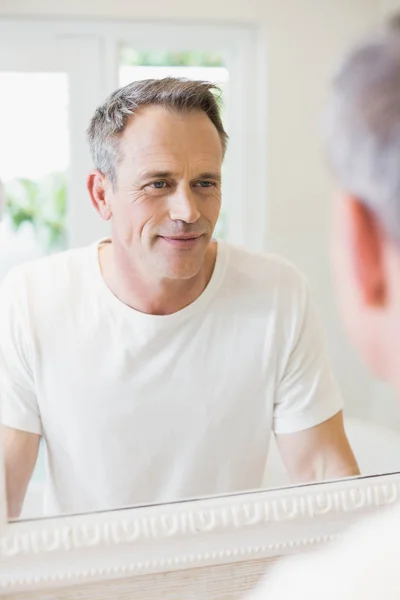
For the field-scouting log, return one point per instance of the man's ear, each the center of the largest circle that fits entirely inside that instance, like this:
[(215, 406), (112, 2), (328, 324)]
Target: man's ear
[(97, 187), (365, 247)]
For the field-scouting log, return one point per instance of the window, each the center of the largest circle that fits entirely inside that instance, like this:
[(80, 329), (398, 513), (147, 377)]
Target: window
[(81, 63), (46, 94), (33, 170)]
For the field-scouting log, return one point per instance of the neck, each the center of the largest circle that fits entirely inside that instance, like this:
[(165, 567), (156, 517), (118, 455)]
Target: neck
[(151, 296)]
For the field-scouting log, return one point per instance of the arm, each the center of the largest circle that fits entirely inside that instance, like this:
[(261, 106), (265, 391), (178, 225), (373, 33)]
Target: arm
[(308, 419), (318, 453), (20, 415), (20, 449)]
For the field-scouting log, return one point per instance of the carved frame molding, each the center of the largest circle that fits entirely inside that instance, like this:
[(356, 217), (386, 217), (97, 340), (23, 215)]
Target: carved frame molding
[(77, 550)]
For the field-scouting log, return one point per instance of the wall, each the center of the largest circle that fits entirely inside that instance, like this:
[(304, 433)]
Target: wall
[(300, 43), (387, 7)]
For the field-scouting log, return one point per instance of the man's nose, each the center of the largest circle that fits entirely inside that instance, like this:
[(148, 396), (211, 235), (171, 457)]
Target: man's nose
[(183, 205)]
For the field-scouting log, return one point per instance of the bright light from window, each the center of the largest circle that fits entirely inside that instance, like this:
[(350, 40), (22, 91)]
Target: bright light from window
[(34, 124)]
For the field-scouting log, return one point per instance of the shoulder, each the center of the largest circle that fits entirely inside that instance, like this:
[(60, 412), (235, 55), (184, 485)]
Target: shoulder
[(47, 270), (40, 281)]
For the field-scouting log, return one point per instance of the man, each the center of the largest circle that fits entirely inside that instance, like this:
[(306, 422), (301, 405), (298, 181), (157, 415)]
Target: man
[(156, 363), (363, 140)]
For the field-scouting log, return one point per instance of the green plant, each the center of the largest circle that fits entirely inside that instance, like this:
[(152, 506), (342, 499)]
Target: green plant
[(162, 58), (41, 203)]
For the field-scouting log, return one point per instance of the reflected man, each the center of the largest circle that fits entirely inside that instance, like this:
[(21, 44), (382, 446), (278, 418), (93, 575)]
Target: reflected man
[(156, 363)]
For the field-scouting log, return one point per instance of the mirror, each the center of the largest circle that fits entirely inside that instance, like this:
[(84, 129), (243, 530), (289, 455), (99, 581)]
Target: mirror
[(149, 352)]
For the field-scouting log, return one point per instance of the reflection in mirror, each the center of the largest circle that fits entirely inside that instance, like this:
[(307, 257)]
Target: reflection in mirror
[(163, 362)]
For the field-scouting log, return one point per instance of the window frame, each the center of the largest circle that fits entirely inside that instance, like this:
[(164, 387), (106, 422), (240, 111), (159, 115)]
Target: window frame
[(90, 51)]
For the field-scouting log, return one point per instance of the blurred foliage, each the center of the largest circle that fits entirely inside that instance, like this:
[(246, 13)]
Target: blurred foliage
[(43, 204), (160, 58)]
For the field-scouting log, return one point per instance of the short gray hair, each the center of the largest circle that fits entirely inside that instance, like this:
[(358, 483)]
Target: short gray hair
[(362, 126), (178, 94)]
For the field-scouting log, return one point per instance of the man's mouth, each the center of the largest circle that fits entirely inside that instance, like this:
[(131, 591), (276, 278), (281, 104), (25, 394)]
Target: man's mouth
[(182, 241)]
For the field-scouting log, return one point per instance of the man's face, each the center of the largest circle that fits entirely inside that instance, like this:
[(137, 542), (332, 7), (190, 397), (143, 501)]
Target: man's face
[(167, 197), (367, 276)]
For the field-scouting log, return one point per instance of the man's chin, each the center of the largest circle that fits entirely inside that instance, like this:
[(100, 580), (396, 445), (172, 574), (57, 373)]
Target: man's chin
[(179, 269), (180, 274), (179, 261)]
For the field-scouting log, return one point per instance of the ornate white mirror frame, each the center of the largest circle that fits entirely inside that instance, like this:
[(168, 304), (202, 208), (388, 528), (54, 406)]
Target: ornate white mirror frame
[(214, 548)]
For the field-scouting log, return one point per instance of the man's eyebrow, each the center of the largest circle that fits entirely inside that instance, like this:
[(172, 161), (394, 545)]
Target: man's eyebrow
[(156, 174), (210, 175), (169, 174)]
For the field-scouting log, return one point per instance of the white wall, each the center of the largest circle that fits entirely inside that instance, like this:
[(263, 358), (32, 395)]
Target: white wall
[(301, 41), (387, 7)]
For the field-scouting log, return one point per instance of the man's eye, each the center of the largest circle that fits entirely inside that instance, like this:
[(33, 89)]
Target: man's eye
[(158, 185), (205, 184)]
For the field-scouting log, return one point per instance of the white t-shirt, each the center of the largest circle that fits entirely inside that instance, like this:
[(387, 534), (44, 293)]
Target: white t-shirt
[(364, 566), (138, 408)]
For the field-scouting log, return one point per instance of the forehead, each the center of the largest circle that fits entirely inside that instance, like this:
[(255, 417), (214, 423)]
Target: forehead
[(158, 135)]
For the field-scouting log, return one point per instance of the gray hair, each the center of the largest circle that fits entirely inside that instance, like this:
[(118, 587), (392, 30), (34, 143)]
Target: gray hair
[(362, 125), (178, 94)]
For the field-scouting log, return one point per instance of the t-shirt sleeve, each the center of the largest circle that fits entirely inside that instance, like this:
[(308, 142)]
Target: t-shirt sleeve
[(307, 393), (18, 400)]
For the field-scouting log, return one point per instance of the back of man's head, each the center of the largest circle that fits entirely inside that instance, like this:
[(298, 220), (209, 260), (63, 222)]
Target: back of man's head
[(362, 136), (363, 124)]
